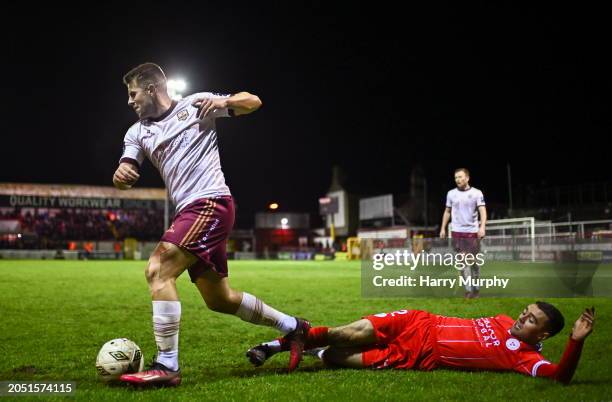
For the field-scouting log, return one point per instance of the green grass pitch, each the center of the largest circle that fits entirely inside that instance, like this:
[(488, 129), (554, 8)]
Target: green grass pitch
[(55, 315)]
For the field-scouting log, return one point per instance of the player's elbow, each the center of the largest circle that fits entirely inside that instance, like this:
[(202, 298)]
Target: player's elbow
[(254, 103), (247, 104), (565, 380), (257, 101)]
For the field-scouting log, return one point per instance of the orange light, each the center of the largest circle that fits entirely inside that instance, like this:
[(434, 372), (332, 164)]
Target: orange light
[(273, 206)]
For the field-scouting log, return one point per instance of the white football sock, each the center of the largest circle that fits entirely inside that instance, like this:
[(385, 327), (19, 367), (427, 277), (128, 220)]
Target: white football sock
[(466, 274), (257, 312), (166, 322), (321, 353), (275, 346), (475, 275)]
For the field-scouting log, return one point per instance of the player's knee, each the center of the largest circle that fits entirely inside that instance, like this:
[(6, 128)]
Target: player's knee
[(163, 265), (152, 270), (350, 333), (358, 335), (353, 333), (153, 273), (342, 335)]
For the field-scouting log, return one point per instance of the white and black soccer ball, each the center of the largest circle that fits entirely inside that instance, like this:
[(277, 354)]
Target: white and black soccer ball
[(118, 356)]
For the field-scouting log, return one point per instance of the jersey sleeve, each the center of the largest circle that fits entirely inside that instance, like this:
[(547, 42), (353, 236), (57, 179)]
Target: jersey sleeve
[(448, 200), (132, 150), (480, 201), (535, 364), (218, 112), (530, 363), (564, 371)]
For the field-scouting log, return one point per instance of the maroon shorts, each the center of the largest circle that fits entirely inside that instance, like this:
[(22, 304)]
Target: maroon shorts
[(202, 228), (467, 243), (403, 341)]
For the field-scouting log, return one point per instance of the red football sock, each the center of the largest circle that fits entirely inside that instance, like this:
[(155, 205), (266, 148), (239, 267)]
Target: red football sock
[(317, 337)]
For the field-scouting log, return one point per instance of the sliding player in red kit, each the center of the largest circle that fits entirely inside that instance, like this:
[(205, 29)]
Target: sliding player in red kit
[(414, 339)]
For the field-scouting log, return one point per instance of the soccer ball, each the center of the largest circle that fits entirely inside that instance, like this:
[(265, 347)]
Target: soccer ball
[(118, 356)]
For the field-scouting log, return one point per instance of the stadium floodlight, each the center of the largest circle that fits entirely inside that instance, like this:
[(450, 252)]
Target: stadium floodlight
[(176, 87), (181, 85), (273, 206), (284, 223)]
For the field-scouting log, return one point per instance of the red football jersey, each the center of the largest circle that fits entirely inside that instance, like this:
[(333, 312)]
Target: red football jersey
[(414, 339), (484, 344)]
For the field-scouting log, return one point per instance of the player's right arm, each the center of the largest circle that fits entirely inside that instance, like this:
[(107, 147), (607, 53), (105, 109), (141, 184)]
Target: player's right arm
[(445, 219), (126, 174), (446, 216)]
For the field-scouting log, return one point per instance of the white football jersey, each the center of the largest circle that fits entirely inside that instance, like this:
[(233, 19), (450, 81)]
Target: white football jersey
[(464, 209), (183, 149)]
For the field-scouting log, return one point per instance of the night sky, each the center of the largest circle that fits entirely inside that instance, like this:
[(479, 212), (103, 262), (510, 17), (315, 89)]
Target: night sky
[(374, 90)]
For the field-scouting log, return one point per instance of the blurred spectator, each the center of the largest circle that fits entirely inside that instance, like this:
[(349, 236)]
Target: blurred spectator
[(117, 247), (61, 227)]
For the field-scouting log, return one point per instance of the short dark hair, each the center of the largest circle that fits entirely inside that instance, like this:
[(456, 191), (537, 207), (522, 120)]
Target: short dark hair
[(464, 170), (556, 322), (145, 75)]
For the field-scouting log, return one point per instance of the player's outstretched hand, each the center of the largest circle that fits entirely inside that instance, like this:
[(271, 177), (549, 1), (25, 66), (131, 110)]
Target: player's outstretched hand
[(207, 106), (584, 325), (125, 176)]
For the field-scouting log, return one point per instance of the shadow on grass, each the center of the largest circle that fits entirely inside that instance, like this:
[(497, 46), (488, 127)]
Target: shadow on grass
[(22, 373), (212, 376), (269, 371), (590, 382)]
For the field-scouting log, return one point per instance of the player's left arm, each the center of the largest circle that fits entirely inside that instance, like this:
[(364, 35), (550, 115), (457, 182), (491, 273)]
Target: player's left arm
[(482, 211), (564, 371), (237, 104)]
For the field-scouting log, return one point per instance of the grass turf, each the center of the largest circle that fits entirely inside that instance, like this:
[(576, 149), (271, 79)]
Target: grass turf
[(55, 315)]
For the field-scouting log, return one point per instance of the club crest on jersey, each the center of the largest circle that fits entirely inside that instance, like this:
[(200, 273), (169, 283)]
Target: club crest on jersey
[(513, 344), (182, 115)]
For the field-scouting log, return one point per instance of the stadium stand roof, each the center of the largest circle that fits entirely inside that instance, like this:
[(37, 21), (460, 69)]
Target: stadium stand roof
[(78, 190)]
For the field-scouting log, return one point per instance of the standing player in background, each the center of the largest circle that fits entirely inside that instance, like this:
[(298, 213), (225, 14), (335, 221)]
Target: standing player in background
[(180, 139), (464, 204)]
